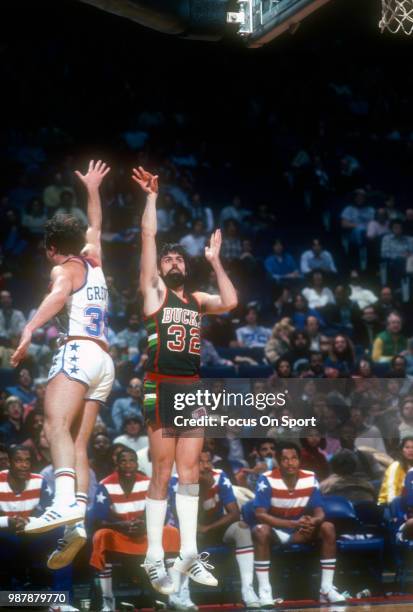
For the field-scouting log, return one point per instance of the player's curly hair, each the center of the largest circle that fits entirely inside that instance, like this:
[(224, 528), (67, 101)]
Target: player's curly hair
[(65, 233), (169, 247)]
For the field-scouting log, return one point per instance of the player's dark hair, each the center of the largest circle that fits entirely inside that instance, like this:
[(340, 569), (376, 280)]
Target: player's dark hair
[(122, 451), (65, 233), (173, 247), (15, 448), (287, 446)]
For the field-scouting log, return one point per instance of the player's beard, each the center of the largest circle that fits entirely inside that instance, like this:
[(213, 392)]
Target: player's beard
[(174, 279)]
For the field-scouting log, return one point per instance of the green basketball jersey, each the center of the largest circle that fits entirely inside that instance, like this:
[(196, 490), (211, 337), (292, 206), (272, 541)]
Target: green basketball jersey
[(174, 336)]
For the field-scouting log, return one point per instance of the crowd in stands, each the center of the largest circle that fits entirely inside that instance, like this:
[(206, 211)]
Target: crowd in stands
[(322, 258)]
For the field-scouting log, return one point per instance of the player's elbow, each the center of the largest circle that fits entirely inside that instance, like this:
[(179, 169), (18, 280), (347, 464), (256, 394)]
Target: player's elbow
[(148, 232), (60, 296), (232, 304)]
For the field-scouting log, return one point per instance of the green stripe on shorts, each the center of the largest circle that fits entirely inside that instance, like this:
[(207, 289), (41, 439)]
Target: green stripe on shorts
[(149, 400)]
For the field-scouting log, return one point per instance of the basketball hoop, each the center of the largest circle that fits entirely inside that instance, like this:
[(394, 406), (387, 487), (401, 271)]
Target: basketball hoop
[(397, 16)]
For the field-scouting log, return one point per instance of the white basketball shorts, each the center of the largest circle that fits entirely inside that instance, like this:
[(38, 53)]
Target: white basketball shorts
[(86, 362)]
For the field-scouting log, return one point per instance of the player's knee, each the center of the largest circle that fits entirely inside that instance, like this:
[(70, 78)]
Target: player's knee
[(161, 474), (188, 474), (242, 534), (55, 425), (261, 534), (327, 530)]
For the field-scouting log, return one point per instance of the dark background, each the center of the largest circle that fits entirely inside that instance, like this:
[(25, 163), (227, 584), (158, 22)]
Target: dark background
[(69, 65)]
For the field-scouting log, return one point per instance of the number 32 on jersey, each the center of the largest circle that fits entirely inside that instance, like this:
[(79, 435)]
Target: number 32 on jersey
[(181, 337)]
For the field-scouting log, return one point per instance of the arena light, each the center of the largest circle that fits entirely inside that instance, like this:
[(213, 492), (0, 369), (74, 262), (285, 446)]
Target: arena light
[(260, 21)]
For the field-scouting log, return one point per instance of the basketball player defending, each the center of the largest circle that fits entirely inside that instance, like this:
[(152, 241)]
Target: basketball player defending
[(82, 370), (173, 319)]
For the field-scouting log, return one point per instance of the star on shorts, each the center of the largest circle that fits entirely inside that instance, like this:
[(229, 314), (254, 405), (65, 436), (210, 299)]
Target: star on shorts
[(74, 370), (74, 347)]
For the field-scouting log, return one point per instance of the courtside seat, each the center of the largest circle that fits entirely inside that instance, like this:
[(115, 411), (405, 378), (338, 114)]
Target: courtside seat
[(402, 549), (359, 534)]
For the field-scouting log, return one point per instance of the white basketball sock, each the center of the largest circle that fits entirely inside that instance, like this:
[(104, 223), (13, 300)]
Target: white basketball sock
[(155, 510), (65, 486), (262, 570), (245, 560), (105, 581), (187, 511), (82, 499), (328, 567)]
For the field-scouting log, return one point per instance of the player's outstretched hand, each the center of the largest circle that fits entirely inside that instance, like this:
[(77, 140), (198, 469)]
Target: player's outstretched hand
[(146, 181), (212, 251), (21, 351), (95, 174)]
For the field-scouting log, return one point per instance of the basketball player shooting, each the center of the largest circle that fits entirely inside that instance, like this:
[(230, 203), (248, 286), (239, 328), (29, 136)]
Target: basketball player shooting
[(173, 318), (82, 371)]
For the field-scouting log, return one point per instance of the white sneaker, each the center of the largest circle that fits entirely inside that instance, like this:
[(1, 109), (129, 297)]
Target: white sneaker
[(267, 600), (74, 538), (179, 602), (197, 569), (108, 604), (332, 596), (158, 577), (54, 516), (250, 598)]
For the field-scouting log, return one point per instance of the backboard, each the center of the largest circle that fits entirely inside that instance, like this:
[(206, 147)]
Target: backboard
[(263, 20)]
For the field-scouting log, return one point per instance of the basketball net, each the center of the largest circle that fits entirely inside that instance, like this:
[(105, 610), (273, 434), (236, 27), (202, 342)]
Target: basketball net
[(397, 16)]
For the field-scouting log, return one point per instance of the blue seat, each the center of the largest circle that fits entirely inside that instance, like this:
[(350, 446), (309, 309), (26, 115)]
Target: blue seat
[(359, 532), (371, 515), (337, 507), (402, 548)]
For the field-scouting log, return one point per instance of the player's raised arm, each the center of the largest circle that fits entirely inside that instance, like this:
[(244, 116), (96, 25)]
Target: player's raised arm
[(52, 304), (92, 181), (227, 299), (149, 277)]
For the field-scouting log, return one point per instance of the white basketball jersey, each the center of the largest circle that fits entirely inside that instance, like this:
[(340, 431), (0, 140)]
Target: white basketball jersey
[(85, 312)]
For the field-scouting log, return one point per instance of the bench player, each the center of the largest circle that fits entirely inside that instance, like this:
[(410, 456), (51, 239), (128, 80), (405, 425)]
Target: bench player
[(173, 319), (82, 371), (288, 510)]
